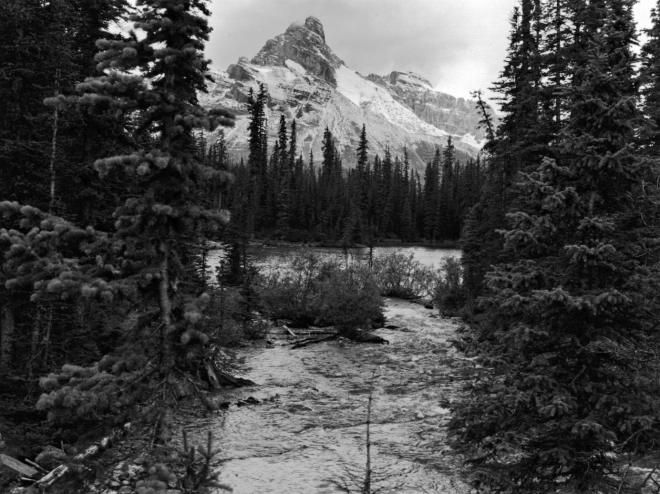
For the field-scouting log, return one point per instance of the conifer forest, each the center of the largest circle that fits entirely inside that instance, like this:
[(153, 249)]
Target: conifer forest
[(207, 286)]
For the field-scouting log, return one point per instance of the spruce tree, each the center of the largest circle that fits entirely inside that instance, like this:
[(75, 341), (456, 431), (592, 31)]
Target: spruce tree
[(650, 80), (431, 205), (283, 185), (520, 140), (568, 389), (360, 201), (447, 221), (155, 78)]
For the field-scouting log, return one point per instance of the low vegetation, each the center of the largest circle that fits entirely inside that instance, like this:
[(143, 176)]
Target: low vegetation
[(317, 291), (449, 294), (322, 291), (400, 275)]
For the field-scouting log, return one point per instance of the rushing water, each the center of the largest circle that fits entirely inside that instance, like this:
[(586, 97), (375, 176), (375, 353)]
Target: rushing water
[(307, 432)]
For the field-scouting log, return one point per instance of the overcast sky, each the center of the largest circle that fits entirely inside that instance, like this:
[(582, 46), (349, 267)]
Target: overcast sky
[(458, 45)]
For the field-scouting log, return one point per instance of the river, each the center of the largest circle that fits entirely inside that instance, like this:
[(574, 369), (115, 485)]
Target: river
[(304, 432)]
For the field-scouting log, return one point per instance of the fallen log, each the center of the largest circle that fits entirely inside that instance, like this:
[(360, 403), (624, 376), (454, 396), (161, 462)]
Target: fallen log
[(229, 380), (60, 471), (353, 335), (18, 466), (289, 331), (35, 465), (211, 374), (51, 477), (363, 337), (312, 341), (218, 378)]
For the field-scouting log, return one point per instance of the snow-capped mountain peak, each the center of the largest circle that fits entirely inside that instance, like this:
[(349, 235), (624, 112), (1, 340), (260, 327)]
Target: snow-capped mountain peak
[(308, 82)]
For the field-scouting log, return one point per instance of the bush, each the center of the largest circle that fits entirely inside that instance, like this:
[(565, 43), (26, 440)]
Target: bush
[(400, 275), (350, 298), (318, 291), (449, 296), (226, 321), (291, 294)]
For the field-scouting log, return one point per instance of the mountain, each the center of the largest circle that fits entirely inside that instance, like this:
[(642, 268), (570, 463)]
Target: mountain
[(308, 82)]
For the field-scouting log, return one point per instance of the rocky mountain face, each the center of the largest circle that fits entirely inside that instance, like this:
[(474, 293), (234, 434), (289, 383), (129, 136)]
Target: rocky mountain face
[(308, 82)]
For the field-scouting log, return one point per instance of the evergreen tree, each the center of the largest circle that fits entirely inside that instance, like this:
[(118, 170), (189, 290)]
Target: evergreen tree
[(284, 170), (568, 389), (360, 200), (387, 173), (520, 140), (447, 221), (408, 202), (650, 80), (154, 227), (257, 159), (431, 202), (45, 49)]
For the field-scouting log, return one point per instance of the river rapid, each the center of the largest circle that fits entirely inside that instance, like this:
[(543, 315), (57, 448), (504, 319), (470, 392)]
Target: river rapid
[(302, 429)]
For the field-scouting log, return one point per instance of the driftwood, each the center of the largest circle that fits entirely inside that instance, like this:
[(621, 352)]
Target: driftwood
[(353, 335), (218, 378), (51, 477), (212, 375), (60, 471), (229, 380), (363, 337), (288, 330), (312, 341), (18, 466)]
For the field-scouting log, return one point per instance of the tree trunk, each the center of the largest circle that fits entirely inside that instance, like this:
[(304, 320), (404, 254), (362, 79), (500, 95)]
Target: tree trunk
[(7, 326), (34, 340), (53, 155), (165, 304), (47, 336)]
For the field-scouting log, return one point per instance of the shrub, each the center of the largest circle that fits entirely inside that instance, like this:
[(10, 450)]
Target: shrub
[(318, 291), (226, 320), (400, 275), (350, 298), (449, 296), (291, 294)]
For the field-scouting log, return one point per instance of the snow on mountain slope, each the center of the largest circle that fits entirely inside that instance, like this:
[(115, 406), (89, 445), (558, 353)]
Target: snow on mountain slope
[(308, 82), (368, 95)]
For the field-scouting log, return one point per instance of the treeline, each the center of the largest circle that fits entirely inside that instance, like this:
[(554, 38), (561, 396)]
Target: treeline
[(561, 256), (278, 193)]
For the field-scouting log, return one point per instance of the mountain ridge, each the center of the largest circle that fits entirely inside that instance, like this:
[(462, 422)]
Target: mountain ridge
[(307, 81)]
